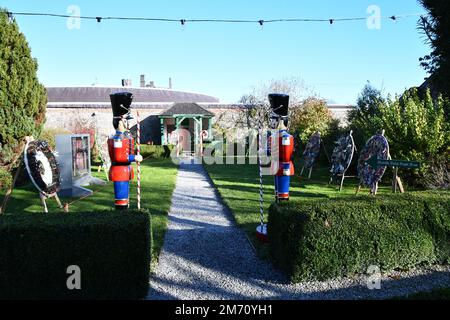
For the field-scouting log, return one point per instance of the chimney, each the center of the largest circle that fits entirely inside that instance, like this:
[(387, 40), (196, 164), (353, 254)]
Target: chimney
[(126, 83), (170, 83), (142, 80)]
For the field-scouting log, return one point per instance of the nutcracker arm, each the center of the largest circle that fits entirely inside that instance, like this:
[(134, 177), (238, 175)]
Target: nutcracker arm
[(135, 158), (131, 158)]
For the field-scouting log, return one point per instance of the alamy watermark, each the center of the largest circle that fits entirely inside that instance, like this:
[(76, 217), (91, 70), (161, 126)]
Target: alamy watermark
[(74, 280), (374, 20), (374, 278), (74, 21), (238, 146)]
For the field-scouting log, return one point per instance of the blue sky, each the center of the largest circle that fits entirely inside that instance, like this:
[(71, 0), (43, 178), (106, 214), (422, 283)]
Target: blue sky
[(226, 60)]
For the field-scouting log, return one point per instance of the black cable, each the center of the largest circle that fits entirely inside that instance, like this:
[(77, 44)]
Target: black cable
[(184, 21)]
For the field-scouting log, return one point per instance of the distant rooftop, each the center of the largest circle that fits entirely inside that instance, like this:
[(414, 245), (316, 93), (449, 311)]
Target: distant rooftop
[(97, 94), (187, 108)]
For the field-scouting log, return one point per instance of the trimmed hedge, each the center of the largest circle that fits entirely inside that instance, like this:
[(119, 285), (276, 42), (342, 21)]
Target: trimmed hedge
[(112, 249), (319, 240), (156, 151)]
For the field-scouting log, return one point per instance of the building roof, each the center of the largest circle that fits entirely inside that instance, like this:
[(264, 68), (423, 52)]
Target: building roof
[(186, 109), (94, 95)]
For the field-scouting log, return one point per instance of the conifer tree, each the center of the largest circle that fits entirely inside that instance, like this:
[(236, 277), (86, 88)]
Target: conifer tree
[(22, 98), (436, 27)]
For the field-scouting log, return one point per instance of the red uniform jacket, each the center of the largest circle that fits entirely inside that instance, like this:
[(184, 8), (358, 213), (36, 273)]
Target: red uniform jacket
[(285, 148), (121, 152)]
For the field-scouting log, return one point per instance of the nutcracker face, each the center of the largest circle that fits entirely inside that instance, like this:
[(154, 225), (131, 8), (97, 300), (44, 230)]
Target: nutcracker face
[(273, 122), (121, 123), (121, 127)]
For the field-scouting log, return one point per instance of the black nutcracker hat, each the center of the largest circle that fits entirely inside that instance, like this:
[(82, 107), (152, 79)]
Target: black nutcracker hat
[(279, 104), (121, 105)]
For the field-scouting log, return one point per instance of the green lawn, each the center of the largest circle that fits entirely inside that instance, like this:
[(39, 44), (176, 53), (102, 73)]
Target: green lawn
[(157, 182), (239, 187)]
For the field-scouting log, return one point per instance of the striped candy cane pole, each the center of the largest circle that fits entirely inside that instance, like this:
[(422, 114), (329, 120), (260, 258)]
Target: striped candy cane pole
[(138, 164), (261, 230), (261, 195)]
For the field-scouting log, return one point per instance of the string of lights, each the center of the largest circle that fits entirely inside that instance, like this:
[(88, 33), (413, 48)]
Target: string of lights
[(184, 21)]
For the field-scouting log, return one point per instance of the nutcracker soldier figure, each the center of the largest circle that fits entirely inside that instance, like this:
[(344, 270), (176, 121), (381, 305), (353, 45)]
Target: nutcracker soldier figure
[(280, 147), (283, 146), (121, 149)]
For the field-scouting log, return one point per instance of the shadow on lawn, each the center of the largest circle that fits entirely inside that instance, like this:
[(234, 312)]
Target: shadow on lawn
[(25, 198), (213, 261), (294, 193), (158, 163), (20, 199)]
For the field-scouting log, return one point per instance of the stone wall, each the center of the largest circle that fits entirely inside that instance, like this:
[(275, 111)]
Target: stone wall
[(66, 118)]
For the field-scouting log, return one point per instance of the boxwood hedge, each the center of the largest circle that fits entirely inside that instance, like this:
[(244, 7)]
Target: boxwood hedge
[(156, 151), (111, 249), (318, 240)]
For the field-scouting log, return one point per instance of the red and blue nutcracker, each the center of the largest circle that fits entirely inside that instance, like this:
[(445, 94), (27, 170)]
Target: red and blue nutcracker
[(121, 149), (282, 146)]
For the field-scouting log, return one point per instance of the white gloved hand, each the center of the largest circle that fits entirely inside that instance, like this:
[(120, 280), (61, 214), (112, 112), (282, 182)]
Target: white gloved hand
[(138, 158)]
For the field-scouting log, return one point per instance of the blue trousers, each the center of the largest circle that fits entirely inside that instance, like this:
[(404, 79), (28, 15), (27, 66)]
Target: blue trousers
[(121, 194)]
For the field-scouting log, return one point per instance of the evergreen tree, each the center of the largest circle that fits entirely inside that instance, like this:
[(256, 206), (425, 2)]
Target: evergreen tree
[(364, 119), (436, 27), (22, 98)]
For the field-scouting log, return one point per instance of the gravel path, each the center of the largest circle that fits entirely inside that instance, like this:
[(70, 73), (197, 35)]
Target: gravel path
[(205, 256)]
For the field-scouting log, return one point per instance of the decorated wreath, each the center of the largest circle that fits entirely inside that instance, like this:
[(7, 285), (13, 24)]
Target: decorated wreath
[(375, 146), (342, 155), (42, 167), (312, 150)]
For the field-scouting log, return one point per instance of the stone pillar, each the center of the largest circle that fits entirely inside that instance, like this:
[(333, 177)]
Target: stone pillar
[(163, 137)]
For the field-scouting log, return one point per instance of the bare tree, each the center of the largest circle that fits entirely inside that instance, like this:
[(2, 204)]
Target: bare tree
[(295, 87), (257, 108)]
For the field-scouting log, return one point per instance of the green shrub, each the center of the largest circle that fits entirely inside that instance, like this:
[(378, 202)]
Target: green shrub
[(340, 237), (5, 179), (49, 135), (414, 125), (311, 116), (156, 151), (112, 249), (334, 132), (438, 175)]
